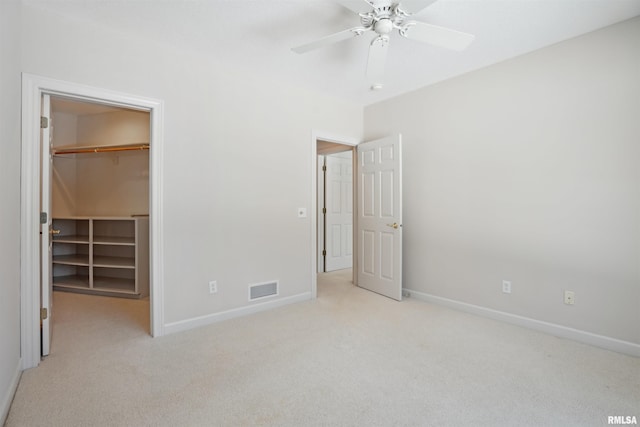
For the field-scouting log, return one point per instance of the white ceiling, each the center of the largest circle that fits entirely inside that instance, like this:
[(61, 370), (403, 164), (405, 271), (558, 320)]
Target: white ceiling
[(258, 35)]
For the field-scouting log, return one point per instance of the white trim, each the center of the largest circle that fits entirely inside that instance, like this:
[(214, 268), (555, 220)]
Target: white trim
[(156, 244), (29, 227), (320, 189), (196, 322), (11, 391), (584, 337), (32, 89), (324, 136)]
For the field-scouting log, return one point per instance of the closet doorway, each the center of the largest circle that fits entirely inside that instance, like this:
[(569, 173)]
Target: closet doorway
[(335, 206), (98, 200), (334, 219), (91, 203)]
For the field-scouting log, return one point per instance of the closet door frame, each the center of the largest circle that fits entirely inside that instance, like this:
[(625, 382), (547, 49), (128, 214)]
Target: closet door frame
[(33, 87)]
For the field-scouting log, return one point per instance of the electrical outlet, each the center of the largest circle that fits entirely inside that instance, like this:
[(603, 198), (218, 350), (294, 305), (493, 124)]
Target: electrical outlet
[(569, 297), (506, 286), (213, 287)]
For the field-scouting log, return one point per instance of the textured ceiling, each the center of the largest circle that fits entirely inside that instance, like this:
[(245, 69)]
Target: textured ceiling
[(259, 35)]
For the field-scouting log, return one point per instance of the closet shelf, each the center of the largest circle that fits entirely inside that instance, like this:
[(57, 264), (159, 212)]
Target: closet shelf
[(113, 261), (75, 149), (74, 281), (74, 259), (110, 284), (108, 240), (71, 239)]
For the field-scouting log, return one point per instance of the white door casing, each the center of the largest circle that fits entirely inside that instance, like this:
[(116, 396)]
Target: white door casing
[(45, 227), (320, 215), (380, 216), (33, 87), (339, 213)]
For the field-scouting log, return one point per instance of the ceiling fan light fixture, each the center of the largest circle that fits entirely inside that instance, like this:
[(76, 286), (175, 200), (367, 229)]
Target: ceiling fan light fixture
[(386, 16), (383, 26)]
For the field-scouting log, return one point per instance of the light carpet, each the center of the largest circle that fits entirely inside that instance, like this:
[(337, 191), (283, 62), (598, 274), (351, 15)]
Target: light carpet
[(349, 358)]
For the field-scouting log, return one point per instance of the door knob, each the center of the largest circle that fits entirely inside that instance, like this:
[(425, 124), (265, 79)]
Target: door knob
[(394, 225)]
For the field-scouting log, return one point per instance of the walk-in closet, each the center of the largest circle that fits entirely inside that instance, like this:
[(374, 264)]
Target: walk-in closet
[(99, 199)]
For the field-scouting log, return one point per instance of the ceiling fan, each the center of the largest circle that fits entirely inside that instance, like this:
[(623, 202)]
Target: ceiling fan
[(386, 16)]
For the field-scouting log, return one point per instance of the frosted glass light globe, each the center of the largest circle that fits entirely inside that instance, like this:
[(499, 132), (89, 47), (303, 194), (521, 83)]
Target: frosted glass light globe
[(383, 26)]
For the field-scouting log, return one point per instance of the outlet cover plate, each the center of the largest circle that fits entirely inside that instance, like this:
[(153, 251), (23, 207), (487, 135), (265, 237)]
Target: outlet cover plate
[(506, 286), (213, 287)]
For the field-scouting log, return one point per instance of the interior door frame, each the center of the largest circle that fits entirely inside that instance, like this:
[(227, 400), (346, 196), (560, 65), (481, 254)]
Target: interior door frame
[(33, 87), (46, 228), (325, 239), (338, 139)]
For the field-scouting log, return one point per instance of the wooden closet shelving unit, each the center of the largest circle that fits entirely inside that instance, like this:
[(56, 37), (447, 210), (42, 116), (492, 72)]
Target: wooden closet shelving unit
[(101, 255)]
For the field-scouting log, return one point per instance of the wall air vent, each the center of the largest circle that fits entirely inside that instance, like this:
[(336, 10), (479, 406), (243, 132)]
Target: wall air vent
[(263, 290)]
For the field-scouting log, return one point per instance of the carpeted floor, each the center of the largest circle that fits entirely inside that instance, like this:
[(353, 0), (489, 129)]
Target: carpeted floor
[(349, 358)]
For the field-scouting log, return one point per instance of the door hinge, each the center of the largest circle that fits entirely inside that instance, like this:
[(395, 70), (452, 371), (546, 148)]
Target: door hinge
[(43, 313), (324, 211), (324, 168), (43, 217), (44, 122), (324, 253)]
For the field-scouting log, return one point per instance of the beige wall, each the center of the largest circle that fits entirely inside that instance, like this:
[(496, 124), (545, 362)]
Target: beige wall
[(113, 184), (63, 172), (101, 184), (114, 128), (529, 171), (9, 201), (236, 158)]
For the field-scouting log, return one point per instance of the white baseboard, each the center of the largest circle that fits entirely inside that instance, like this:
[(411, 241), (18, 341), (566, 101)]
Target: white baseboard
[(601, 341), (9, 393), (196, 322)]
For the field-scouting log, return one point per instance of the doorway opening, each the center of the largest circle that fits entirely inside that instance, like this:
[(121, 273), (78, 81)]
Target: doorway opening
[(334, 209), (99, 207), (95, 231), (377, 214), (335, 206)]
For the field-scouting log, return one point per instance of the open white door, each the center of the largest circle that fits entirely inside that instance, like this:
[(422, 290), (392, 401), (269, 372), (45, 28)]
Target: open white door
[(339, 214), (45, 227), (380, 216)]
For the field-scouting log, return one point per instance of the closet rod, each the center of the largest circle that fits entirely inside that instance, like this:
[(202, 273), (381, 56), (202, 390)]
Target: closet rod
[(103, 149)]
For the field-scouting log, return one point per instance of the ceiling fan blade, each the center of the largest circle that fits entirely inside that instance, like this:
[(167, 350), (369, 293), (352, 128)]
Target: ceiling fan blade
[(377, 58), (357, 6), (330, 39), (438, 36), (414, 6)]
